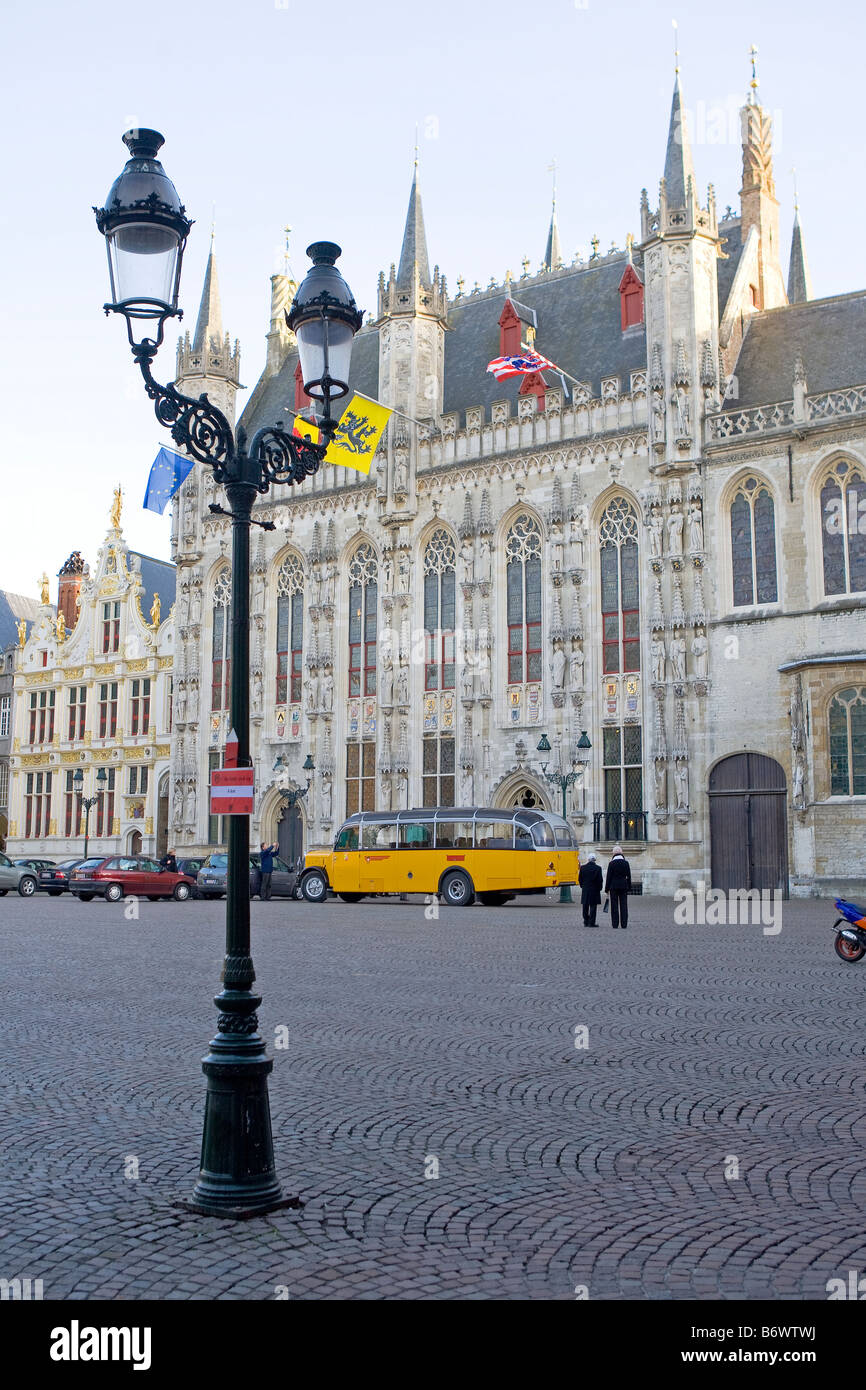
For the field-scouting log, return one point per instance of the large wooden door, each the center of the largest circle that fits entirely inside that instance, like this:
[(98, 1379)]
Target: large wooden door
[(290, 835), (748, 823)]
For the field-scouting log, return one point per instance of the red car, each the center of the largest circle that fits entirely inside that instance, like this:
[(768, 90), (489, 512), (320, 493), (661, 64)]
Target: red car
[(128, 875)]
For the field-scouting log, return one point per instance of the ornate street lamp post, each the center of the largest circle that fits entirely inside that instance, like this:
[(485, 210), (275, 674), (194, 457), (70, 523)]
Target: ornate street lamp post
[(88, 802), (292, 796), (145, 227), (563, 780)]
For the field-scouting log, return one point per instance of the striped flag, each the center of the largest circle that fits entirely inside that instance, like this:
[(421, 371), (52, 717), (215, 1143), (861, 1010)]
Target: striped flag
[(504, 367)]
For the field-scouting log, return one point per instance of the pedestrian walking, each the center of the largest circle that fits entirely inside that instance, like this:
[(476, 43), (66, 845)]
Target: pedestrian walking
[(617, 884), (590, 879), (266, 868)]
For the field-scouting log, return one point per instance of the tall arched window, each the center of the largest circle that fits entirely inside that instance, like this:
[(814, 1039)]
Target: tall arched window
[(848, 742), (363, 600), (523, 594), (620, 593), (439, 611), (753, 544), (221, 666), (843, 529), (290, 630)]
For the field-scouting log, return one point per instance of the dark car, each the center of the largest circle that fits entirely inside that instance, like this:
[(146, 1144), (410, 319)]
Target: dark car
[(212, 877), (37, 865), (56, 880), (190, 868), (121, 874)]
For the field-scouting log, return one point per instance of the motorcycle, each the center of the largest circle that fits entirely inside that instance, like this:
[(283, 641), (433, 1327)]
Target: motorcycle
[(851, 940)]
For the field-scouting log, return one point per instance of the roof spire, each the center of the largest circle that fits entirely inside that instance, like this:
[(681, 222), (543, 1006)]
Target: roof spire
[(753, 85), (799, 279), (210, 319), (679, 168), (553, 249), (413, 253)]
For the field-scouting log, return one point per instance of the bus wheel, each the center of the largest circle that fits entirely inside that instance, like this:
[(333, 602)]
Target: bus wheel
[(494, 899), (456, 888), (351, 897), (314, 886)]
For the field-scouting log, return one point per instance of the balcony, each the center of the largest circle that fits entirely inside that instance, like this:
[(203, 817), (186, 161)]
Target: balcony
[(619, 826)]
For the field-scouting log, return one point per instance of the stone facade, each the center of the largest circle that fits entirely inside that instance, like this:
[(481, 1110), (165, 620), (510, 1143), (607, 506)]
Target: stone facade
[(670, 499), (96, 696)]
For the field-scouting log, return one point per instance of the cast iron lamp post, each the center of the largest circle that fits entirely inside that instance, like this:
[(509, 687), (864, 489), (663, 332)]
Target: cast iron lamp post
[(296, 794), (145, 227), (563, 780), (88, 802)]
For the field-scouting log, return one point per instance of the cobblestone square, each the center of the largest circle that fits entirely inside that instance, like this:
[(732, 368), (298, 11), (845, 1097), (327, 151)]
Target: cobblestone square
[(419, 1047)]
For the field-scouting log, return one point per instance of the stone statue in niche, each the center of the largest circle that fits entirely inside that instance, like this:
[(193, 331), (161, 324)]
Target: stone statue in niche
[(401, 474), (326, 798), (658, 655), (180, 703), (696, 527), (575, 675), (388, 571), (485, 558), (403, 686), (678, 658), (656, 534), (387, 681), (258, 593), (189, 805), (467, 553), (558, 667), (466, 682), (328, 692), (660, 773), (675, 532), (466, 780), (177, 809), (658, 409), (195, 606), (404, 574), (484, 677), (681, 783), (192, 711), (257, 692), (313, 689), (700, 653), (681, 403)]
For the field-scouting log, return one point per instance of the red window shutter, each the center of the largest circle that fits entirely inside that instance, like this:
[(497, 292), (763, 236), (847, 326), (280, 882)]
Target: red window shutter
[(510, 329), (630, 299)]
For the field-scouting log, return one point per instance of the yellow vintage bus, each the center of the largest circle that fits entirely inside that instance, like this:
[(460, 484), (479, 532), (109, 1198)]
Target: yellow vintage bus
[(459, 853)]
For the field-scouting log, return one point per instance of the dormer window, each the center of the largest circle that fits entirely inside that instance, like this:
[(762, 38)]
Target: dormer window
[(630, 299), (302, 400), (510, 330)]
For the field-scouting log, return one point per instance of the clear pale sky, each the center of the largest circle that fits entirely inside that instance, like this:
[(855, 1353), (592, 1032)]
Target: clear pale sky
[(497, 88)]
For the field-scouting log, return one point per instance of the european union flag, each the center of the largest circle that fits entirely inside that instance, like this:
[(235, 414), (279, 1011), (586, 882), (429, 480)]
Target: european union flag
[(168, 472)]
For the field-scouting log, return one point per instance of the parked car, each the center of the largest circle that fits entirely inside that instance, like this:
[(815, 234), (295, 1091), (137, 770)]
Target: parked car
[(190, 867), (56, 881), (212, 877), (120, 875), (17, 876), (37, 865)]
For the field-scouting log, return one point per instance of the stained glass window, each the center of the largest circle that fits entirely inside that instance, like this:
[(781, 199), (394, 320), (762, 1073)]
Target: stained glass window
[(848, 742), (753, 545), (290, 630), (523, 600), (439, 612), (620, 589), (220, 657), (363, 606), (843, 529), (438, 772)]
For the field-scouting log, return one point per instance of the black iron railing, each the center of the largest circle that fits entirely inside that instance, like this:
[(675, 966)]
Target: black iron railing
[(619, 825)]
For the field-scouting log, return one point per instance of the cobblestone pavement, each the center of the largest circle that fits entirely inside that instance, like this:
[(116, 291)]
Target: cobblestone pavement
[(452, 1040)]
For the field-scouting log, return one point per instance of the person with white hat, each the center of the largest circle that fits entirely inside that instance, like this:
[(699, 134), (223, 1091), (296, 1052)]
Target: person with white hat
[(618, 884), (590, 878)]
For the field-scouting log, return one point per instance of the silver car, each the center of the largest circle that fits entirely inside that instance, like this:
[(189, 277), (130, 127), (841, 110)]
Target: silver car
[(18, 876)]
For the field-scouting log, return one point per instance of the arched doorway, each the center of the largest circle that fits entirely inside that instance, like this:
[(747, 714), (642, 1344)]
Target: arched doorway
[(748, 823), (162, 817), (134, 844), (290, 833)]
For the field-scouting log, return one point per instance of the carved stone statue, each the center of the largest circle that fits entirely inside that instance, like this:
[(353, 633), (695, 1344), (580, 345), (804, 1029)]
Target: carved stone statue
[(675, 532), (696, 527), (155, 612), (258, 692), (387, 682), (485, 557), (258, 593), (22, 631), (678, 658), (404, 574), (189, 805), (313, 689), (60, 625), (575, 673), (330, 584), (700, 653), (660, 777), (403, 686), (327, 794), (116, 508), (45, 593), (192, 711), (558, 668), (467, 682), (180, 703), (401, 474), (484, 677), (177, 808), (195, 606), (388, 571), (466, 781), (681, 403), (658, 655), (681, 783), (467, 552), (658, 409), (328, 691), (656, 534)]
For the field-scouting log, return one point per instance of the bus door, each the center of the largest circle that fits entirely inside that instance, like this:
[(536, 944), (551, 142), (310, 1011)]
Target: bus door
[(378, 856), (344, 861)]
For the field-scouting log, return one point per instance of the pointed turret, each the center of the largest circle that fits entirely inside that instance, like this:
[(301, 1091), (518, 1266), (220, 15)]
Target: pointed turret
[(553, 249), (758, 195), (799, 279), (413, 253), (209, 326), (679, 169)]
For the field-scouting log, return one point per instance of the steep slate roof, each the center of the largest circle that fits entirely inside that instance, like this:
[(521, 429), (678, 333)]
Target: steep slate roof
[(12, 608), (829, 335), (678, 156), (158, 577), (579, 328), (210, 323), (730, 235), (414, 249)]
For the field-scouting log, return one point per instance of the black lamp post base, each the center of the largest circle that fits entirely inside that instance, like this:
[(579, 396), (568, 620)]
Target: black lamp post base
[(244, 1213)]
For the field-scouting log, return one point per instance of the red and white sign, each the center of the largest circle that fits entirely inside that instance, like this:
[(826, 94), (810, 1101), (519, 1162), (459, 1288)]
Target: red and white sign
[(231, 791)]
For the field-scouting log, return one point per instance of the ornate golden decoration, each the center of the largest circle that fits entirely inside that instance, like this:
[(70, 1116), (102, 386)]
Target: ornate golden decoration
[(108, 586), (116, 508), (60, 627), (22, 632), (163, 750), (165, 662), (148, 825), (115, 826), (139, 664), (44, 590), (155, 611), (39, 678), (52, 827), (74, 673)]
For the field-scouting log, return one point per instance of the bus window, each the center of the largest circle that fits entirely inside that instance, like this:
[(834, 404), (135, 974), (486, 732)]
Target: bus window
[(347, 838), (416, 835), (524, 837), (542, 834), (379, 836), (453, 834), (564, 837), (494, 834)]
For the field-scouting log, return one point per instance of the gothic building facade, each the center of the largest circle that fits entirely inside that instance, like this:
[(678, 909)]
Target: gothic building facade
[(666, 554)]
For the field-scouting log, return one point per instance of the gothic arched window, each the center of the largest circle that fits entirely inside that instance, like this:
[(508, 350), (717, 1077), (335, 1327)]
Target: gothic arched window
[(848, 742), (843, 529), (523, 600), (290, 630), (440, 589), (363, 600), (620, 593), (221, 666), (753, 544)]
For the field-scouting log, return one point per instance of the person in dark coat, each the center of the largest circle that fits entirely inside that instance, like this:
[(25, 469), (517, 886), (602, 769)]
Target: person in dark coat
[(617, 884), (169, 862), (590, 879), (266, 867)]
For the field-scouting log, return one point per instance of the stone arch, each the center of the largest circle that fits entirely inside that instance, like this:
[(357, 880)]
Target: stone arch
[(509, 789)]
